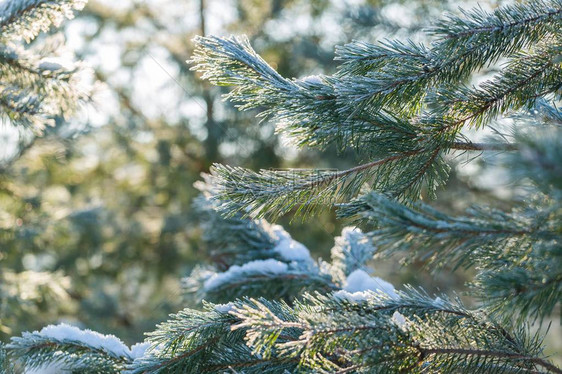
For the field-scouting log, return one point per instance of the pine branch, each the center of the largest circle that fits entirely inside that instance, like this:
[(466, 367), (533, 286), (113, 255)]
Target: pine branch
[(258, 278), (505, 30), (359, 335), (499, 354), (35, 91), (25, 19), (275, 193), (434, 236), (517, 253), (525, 78), (72, 349), (539, 160)]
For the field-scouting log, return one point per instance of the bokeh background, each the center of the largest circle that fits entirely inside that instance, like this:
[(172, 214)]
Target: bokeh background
[(96, 219)]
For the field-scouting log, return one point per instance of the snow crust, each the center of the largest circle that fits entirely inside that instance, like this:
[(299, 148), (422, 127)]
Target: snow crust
[(109, 343), (269, 266), (288, 248)]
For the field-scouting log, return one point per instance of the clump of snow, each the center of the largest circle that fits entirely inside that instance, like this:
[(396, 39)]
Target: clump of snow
[(312, 79), (224, 308), (352, 249), (109, 343), (349, 233), (269, 266), (360, 281), (399, 320), (353, 297), (138, 350), (289, 249)]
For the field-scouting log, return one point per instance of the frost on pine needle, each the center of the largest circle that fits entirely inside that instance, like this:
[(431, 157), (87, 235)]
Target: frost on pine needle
[(35, 90), (50, 368)]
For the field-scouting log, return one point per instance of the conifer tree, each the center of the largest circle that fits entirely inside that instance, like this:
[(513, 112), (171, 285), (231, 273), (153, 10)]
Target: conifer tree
[(403, 107)]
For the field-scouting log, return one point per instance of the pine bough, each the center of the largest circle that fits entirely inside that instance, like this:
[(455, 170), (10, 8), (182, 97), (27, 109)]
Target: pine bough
[(36, 87), (268, 307)]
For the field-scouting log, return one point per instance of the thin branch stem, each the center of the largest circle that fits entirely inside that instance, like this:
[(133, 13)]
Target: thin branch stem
[(469, 146)]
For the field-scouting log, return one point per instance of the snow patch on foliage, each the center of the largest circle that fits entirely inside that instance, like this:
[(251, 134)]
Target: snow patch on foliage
[(312, 79), (359, 281), (353, 297), (63, 332), (288, 248), (138, 350), (348, 233), (352, 250), (269, 266), (360, 286), (399, 320), (224, 308), (109, 343)]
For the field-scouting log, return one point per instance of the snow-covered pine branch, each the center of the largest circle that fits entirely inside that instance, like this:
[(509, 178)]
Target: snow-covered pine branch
[(71, 349)]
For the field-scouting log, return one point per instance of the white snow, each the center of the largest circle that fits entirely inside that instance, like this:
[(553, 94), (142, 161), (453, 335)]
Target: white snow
[(360, 281), (224, 308), (289, 249), (109, 343), (313, 79), (138, 350), (353, 297), (349, 233), (269, 266), (399, 320)]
